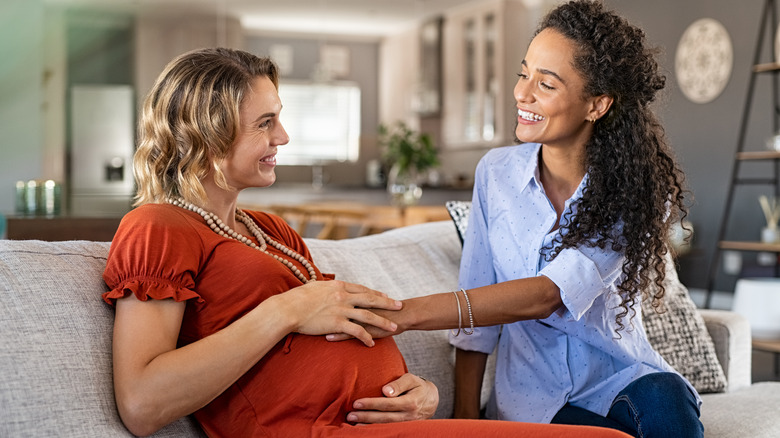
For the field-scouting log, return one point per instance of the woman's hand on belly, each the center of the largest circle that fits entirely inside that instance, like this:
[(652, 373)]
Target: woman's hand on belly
[(326, 307), (407, 398)]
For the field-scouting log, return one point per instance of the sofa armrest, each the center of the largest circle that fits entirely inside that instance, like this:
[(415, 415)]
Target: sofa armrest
[(730, 333)]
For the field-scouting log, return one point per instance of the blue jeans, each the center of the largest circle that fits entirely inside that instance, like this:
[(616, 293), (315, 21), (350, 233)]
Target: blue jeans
[(655, 405)]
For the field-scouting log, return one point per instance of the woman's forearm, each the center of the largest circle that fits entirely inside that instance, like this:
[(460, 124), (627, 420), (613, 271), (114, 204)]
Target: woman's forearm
[(502, 303)]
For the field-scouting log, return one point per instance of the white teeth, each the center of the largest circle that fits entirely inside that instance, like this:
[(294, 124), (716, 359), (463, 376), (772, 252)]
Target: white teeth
[(527, 115)]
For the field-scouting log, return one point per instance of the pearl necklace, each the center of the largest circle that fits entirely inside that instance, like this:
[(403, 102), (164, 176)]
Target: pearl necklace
[(223, 230)]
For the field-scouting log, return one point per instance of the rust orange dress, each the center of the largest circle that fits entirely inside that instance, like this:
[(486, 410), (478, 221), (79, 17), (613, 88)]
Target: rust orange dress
[(305, 385)]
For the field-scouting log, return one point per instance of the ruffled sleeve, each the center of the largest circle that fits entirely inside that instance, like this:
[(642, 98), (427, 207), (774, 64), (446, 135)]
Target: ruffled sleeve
[(156, 253)]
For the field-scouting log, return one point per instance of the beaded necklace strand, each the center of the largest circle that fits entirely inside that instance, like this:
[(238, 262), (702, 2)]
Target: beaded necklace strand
[(223, 230)]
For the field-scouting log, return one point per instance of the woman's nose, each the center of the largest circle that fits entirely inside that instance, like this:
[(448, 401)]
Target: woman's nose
[(522, 91), (281, 136)]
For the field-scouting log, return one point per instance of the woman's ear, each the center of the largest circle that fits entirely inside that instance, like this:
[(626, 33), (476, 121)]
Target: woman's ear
[(599, 106)]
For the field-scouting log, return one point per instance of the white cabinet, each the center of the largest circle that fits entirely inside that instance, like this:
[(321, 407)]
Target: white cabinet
[(484, 44)]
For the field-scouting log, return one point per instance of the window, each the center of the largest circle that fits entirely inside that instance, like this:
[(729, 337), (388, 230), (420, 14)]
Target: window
[(322, 120)]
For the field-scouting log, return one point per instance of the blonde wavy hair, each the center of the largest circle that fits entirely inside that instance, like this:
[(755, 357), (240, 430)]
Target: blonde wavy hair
[(190, 120)]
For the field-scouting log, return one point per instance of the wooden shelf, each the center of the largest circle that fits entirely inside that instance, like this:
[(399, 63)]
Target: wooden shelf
[(765, 345), (768, 19), (750, 246), (759, 155), (766, 68)]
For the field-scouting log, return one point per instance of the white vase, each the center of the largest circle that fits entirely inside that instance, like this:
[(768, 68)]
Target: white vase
[(770, 235), (404, 186)]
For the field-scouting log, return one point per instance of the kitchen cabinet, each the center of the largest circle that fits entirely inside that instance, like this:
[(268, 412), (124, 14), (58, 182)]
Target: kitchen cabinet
[(484, 45)]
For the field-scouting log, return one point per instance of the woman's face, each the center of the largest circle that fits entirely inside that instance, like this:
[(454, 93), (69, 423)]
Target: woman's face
[(252, 158), (551, 103)]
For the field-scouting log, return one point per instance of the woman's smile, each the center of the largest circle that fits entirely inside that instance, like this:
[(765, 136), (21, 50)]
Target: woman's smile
[(270, 160), (528, 116)]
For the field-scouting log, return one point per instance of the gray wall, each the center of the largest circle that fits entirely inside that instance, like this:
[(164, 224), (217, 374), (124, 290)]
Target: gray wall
[(21, 96), (705, 135)]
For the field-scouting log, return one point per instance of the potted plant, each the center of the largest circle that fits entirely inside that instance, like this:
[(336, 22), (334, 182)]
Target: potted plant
[(409, 155)]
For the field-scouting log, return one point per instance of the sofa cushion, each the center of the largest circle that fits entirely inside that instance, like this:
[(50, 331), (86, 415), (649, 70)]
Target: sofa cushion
[(679, 334), (730, 334), (55, 343), (748, 412)]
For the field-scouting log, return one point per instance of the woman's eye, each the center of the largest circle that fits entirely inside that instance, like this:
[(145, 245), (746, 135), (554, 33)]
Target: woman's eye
[(546, 87), (522, 75), (265, 124)]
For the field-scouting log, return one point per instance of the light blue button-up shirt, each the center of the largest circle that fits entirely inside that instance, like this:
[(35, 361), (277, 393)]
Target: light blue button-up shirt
[(574, 355)]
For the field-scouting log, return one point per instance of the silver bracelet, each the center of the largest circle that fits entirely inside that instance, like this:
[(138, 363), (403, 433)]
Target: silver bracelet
[(471, 317), (460, 317)]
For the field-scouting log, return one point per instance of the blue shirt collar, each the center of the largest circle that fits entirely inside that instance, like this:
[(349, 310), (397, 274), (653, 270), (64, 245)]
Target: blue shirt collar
[(529, 172), (529, 169)]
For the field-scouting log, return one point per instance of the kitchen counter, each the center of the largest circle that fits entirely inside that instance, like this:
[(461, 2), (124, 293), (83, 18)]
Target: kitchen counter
[(340, 212), (330, 212), (299, 194)]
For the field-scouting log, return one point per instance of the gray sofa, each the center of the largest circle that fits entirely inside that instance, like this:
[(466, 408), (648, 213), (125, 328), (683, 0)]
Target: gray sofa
[(55, 334)]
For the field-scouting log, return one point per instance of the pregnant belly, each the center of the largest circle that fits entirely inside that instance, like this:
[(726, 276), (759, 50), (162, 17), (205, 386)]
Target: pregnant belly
[(308, 380)]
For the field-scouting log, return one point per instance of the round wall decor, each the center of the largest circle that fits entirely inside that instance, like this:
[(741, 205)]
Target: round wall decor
[(704, 60)]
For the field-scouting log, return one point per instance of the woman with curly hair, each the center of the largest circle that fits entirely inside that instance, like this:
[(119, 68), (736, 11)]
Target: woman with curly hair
[(566, 231), (573, 223)]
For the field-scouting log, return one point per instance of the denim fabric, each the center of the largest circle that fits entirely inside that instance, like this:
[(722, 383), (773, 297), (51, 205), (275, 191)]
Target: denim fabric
[(657, 405)]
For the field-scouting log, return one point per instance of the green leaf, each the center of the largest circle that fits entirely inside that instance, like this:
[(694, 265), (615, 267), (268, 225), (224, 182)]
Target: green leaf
[(407, 148)]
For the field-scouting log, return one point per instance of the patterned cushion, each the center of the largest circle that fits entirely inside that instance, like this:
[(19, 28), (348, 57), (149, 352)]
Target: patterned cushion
[(678, 334), (459, 212)]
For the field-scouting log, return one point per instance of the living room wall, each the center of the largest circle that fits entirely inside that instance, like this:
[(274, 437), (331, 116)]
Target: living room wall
[(705, 136)]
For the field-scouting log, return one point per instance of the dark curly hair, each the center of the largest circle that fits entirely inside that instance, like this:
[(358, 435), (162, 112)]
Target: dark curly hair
[(635, 188)]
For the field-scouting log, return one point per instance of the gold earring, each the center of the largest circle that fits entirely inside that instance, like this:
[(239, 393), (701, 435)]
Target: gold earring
[(592, 121)]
